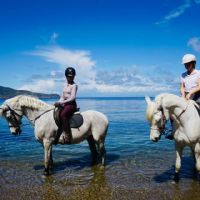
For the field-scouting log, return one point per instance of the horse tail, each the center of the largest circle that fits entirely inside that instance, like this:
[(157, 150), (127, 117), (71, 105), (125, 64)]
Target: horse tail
[(99, 131), (99, 126)]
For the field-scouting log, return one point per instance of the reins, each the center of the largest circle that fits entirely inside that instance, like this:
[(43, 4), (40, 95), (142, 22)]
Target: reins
[(183, 110), (33, 120), (41, 115), (163, 130)]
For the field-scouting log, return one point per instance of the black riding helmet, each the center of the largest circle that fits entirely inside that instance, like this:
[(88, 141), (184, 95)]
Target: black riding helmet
[(70, 71)]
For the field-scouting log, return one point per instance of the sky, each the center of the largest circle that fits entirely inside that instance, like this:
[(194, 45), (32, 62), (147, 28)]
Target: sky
[(118, 47)]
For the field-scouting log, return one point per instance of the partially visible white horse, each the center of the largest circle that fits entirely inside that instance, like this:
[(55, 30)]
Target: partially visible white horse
[(186, 123), (40, 115)]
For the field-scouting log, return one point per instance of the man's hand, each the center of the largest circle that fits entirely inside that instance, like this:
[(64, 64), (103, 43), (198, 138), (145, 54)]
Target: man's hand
[(188, 96)]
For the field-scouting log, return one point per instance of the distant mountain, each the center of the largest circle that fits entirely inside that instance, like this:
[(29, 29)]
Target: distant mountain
[(6, 92)]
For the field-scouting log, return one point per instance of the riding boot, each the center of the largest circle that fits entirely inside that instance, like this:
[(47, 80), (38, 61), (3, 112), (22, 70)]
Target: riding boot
[(67, 131)]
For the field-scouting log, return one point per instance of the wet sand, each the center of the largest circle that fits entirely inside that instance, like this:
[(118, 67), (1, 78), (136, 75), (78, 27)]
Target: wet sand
[(76, 179)]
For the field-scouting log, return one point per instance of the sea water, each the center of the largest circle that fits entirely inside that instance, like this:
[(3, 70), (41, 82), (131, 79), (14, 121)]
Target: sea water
[(135, 166)]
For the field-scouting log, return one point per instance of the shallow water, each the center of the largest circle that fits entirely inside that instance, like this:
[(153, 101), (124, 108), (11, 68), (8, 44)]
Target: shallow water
[(136, 168)]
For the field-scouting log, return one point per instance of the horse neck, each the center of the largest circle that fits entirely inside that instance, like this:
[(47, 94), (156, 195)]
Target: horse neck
[(174, 104), (31, 114)]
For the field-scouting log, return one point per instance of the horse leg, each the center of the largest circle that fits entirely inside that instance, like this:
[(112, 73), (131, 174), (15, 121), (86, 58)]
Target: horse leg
[(102, 151), (179, 151), (93, 149), (51, 158), (197, 156), (47, 155), (194, 159)]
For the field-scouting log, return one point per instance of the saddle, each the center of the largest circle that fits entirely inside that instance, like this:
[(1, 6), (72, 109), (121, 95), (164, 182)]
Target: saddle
[(75, 121)]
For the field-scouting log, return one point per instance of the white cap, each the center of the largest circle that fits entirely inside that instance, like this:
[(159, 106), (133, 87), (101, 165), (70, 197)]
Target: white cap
[(188, 58)]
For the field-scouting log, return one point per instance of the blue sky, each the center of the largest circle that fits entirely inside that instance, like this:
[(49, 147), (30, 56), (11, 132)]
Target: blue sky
[(119, 48)]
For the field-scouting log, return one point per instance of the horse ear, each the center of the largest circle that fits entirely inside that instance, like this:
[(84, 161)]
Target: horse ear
[(148, 100), (1, 111), (160, 105), (3, 108), (150, 108)]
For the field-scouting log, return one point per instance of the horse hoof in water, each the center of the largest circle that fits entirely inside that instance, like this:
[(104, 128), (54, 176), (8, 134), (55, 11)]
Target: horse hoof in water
[(197, 176), (46, 172), (176, 177), (94, 162)]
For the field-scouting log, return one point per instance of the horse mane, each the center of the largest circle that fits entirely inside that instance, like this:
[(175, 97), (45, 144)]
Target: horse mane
[(162, 95), (149, 111), (152, 105), (160, 102), (29, 102)]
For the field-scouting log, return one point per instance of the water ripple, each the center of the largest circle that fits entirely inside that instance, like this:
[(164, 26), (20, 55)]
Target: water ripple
[(135, 167)]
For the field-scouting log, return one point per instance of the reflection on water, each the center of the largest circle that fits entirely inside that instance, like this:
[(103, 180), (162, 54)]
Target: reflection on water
[(111, 182), (135, 169)]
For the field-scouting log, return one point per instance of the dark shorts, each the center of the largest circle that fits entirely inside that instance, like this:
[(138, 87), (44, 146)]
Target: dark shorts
[(195, 97)]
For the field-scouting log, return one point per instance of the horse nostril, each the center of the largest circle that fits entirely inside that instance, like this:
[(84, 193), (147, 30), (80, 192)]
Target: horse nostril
[(15, 133), (18, 131)]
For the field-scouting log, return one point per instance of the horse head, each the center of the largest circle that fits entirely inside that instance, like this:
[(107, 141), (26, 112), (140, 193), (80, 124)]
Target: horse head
[(156, 114), (13, 116)]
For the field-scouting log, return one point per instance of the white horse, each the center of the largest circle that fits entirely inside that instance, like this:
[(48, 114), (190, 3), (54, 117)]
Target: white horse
[(40, 115), (186, 124)]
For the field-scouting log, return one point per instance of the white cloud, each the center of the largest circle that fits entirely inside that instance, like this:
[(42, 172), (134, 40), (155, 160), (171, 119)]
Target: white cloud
[(65, 57), (53, 73), (45, 86), (120, 89), (89, 79), (53, 37), (179, 10), (79, 59), (127, 81), (194, 43)]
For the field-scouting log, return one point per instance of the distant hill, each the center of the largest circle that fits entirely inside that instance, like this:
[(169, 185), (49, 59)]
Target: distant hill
[(6, 92)]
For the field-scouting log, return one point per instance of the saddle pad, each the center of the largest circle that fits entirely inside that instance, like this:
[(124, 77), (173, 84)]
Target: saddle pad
[(76, 120)]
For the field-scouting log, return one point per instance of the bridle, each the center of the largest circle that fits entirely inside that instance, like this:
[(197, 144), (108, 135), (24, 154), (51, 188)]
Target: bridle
[(34, 120), (163, 130), (14, 116), (18, 123)]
